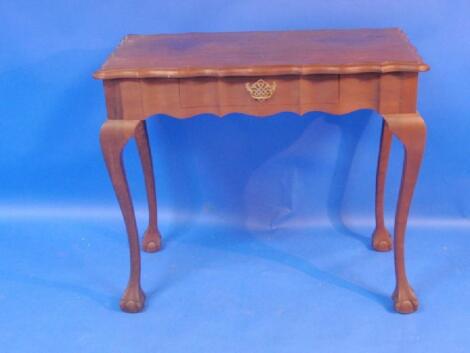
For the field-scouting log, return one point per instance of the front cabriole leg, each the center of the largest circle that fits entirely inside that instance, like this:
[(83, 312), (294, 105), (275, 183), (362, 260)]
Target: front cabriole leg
[(410, 129), (113, 137)]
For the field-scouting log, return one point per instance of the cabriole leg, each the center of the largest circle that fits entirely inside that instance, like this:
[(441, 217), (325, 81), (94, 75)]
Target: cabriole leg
[(410, 129), (113, 137), (381, 239), (152, 237)]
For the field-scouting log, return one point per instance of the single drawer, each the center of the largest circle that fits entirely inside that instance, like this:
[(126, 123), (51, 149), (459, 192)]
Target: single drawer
[(252, 91), (239, 91), (284, 90)]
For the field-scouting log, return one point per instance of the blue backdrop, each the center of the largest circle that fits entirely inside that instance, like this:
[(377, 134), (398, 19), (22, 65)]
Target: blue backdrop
[(282, 175)]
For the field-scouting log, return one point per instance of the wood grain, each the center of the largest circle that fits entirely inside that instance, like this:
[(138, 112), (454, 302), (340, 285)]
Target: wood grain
[(333, 71), (137, 99), (262, 54)]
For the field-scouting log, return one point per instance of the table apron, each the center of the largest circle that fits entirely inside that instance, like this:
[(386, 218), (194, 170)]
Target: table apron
[(138, 99)]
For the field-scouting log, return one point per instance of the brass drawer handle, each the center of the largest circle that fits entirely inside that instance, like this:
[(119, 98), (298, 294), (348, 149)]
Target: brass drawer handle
[(261, 90)]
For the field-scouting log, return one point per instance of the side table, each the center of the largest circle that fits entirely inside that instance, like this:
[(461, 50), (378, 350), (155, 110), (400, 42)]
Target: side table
[(263, 73)]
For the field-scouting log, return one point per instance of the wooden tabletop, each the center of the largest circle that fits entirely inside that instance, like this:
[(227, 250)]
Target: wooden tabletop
[(262, 53)]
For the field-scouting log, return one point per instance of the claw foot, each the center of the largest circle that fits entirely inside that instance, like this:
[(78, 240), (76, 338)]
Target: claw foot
[(405, 300), (152, 241), (133, 300), (381, 240)]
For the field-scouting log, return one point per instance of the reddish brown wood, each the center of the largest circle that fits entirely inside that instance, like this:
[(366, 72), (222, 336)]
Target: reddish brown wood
[(388, 93), (381, 240), (262, 54), (114, 136), (334, 71), (410, 129), (152, 237)]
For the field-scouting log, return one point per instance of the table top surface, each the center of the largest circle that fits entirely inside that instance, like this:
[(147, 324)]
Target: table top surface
[(262, 53)]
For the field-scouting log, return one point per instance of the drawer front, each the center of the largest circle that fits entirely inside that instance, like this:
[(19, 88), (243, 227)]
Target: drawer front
[(238, 91), (249, 91), (255, 91)]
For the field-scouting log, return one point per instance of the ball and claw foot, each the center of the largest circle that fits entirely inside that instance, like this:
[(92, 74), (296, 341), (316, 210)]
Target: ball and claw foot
[(405, 301), (133, 300), (152, 241), (381, 240)]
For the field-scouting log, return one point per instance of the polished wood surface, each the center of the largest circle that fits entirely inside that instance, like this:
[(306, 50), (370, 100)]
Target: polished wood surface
[(263, 73), (262, 53)]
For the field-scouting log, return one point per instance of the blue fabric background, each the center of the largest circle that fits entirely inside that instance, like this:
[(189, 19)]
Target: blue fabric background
[(282, 177)]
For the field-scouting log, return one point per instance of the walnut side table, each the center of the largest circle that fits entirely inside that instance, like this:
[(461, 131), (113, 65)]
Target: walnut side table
[(263, 73)]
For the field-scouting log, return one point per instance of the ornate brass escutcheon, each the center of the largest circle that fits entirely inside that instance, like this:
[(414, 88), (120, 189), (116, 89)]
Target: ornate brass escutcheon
[(261, 90)]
